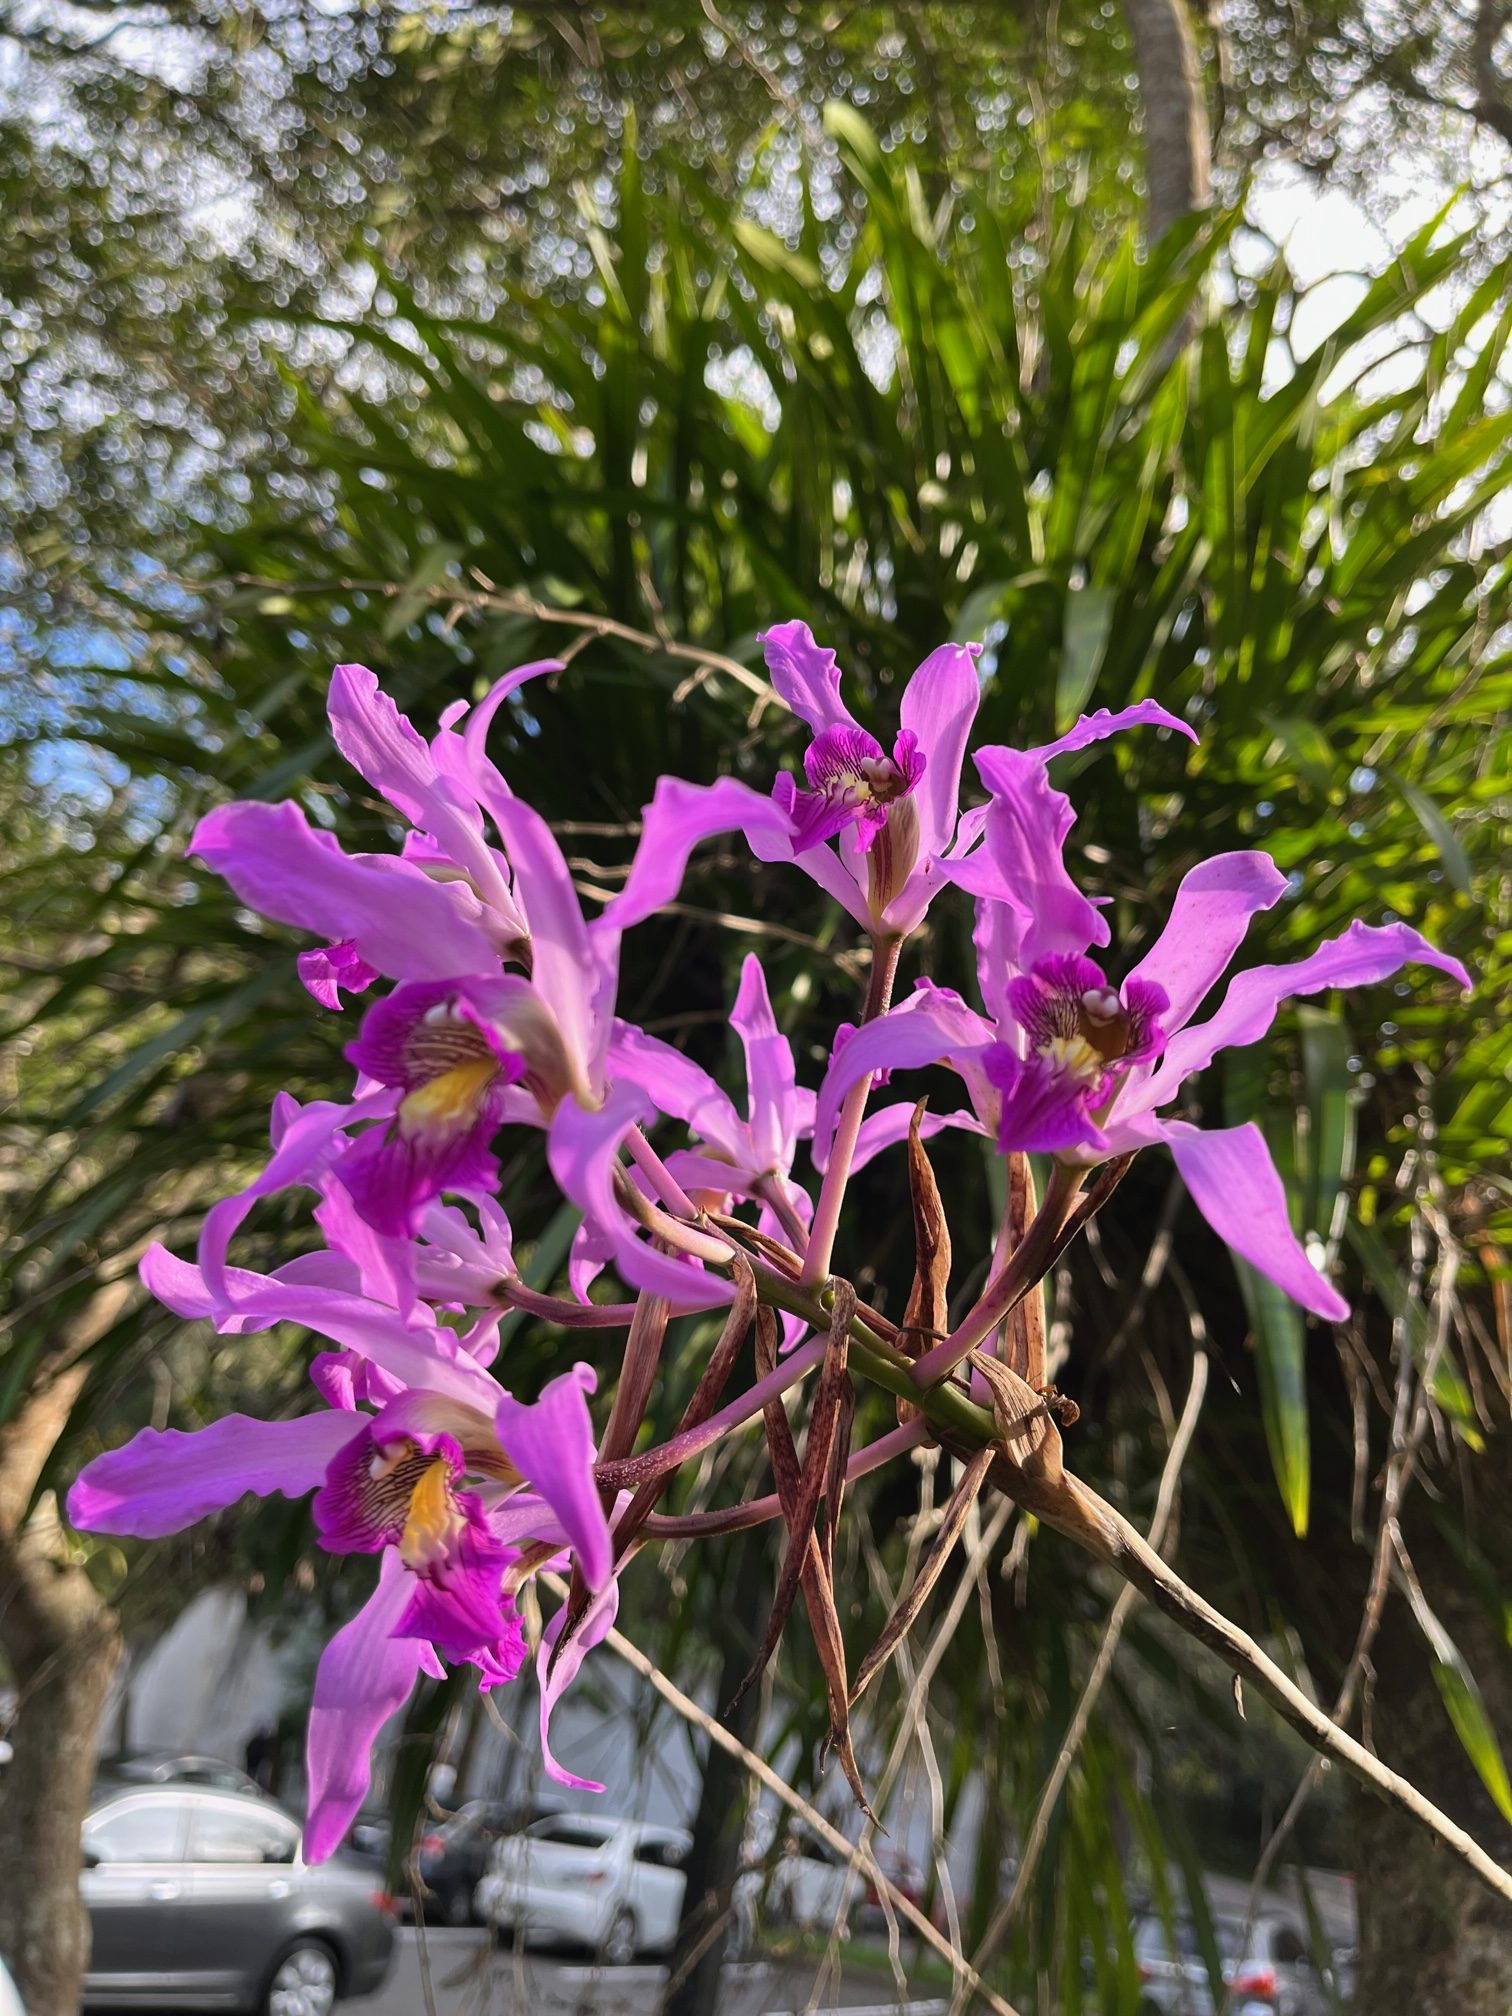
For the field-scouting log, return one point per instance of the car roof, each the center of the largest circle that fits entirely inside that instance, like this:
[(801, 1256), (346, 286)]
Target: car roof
[(607, 1824), (115, 1791)]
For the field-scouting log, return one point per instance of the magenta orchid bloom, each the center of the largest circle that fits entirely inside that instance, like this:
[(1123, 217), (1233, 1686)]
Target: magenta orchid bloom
[(451, 908), (897, 819), (739, 1157), (440, 1055), (390, 1483), (427, 1041), (445, 906), (1077, 1068), (500, 1011)]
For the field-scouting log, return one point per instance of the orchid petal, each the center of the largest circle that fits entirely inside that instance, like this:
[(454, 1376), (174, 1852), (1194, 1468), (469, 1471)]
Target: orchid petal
[(393, 914), (939, 705), (770, 1073), (1020, 862), (928, 1029), (327, 969), (381, 745), (182, 1287), (679, 816), (573, 970), (551, 1444), (1097, 727), (555, 1676), (163, 1479), (1235, 1186), (384, 1268), (389, 753), (590, 1253), (583, 1151), (425, 1358), (711, 1174), (1208, 920), (1362, 954), (307, 1140), (806, 676), (677, 1087), (890, 1124), (365, 1675), (1042, 1111)]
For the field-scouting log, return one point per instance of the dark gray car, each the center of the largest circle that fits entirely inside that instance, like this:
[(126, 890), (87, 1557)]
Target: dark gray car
[(202, 1899)]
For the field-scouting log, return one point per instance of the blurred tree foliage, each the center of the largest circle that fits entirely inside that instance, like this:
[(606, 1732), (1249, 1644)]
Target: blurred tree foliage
[(431, 340), (174, 174)]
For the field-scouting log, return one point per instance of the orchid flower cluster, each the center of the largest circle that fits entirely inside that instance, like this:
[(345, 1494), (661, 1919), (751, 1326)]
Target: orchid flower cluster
[(499, 1014)]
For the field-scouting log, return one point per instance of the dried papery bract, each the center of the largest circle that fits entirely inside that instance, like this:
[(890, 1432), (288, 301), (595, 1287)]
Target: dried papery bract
[(801, 1500), (926, 1317), (1024, 1331), (813, 1572), (705, 1398), (957, 1511)]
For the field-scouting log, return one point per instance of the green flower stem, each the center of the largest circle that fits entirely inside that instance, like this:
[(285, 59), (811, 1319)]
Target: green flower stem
[(945, 1406)]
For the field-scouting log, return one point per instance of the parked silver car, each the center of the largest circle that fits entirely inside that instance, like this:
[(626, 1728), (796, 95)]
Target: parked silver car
[(171, 1767), (1270, 1973), (202, 1899)]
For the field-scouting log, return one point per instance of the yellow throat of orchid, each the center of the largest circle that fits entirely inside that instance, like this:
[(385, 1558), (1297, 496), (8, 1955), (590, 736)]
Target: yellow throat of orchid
[(1075, 1057), (450, 1100), (433, 1522)]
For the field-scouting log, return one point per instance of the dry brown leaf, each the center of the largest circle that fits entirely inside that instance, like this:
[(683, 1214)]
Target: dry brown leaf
[(815, 1574), (1024, 1331), (801, 1509), (1030, 1437), (704, 1399), (900, 1623)]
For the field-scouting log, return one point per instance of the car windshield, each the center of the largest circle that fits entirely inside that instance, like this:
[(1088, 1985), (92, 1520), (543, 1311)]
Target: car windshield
[(570, 1833)]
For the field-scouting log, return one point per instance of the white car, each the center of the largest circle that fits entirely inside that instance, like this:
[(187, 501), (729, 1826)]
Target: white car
[(803, 1882), (10, 2001), (614, 1886)]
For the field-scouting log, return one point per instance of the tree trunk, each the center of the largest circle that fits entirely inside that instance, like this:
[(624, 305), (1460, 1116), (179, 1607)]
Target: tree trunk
[(1177, 140), (714, 1859), (62, 1643)]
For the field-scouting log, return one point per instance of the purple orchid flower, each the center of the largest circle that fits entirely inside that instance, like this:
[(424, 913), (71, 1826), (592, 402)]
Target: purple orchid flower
[(447, 905), (896, 819), (391, 1483), (452, 909), (461, 1044), (1074, 1067), (451, 1265), (740, 1157), (428, 1042)]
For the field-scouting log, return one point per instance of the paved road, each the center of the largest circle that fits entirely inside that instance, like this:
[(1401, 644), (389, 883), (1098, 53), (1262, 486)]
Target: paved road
[(467, 1977)]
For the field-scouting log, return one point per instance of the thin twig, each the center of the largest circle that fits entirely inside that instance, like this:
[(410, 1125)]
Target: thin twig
[(1102, 1666), (518, 602), (1075, 1510), (1406, 1442), (858, 1858), (1103, 1530)]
